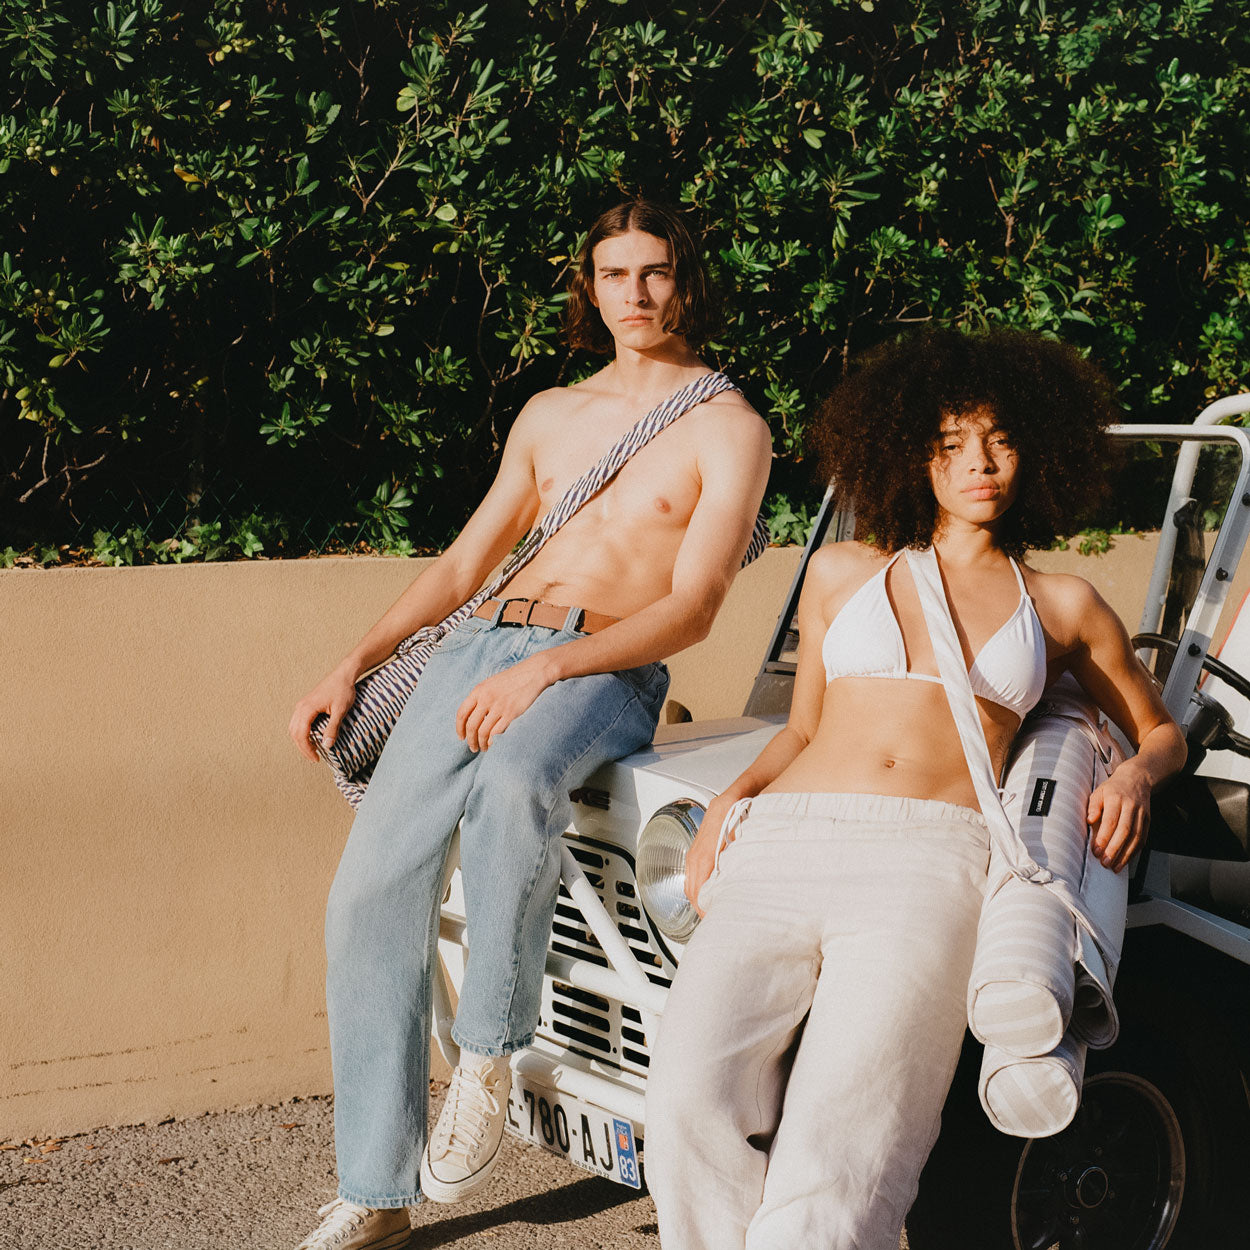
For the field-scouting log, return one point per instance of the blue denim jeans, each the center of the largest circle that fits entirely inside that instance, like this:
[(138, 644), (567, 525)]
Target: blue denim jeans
[(512, 804)]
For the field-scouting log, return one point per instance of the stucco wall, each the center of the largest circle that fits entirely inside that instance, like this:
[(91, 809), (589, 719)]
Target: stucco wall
[(166, 853)]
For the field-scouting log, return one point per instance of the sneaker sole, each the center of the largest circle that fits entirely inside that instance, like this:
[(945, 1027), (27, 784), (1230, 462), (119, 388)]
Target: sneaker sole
[(455, 1191), (394, 1242)]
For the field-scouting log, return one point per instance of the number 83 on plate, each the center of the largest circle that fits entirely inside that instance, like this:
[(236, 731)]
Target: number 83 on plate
[(585, 1135)]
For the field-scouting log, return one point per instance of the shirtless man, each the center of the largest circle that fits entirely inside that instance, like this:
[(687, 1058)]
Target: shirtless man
[(506, 721)]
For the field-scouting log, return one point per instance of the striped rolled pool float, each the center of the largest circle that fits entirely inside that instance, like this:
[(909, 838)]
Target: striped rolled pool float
[(1041, 989), (1034, 1097)]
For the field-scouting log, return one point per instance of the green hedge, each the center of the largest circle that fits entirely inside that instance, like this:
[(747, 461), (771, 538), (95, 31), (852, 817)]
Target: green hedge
[(291, 271)]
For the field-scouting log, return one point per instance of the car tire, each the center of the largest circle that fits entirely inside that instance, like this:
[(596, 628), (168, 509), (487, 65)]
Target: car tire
[(1153, 1158)]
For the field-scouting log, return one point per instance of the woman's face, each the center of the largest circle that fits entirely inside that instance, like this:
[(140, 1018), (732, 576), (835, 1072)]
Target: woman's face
[(974, 468)]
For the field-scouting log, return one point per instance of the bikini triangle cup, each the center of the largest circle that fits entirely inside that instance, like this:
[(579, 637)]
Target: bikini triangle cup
[(864, 640), (950, 662)]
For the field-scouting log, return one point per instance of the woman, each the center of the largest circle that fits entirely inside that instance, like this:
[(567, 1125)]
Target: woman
[(810, 1038)]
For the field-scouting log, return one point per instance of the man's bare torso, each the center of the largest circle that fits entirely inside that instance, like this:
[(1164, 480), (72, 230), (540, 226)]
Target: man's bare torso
[(616, 555)]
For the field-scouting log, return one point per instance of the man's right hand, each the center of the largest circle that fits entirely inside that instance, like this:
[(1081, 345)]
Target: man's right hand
[(333, 695), (701, 856)]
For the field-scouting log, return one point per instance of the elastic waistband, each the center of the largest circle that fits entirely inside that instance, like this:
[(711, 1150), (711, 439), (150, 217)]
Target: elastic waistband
[(884, 808)]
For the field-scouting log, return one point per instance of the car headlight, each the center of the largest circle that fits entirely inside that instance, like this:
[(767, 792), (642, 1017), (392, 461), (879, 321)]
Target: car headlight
[(661, 867)]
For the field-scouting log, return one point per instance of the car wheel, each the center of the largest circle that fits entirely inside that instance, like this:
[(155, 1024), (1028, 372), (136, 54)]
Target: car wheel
[(1151, 1160), (1113, 1179)]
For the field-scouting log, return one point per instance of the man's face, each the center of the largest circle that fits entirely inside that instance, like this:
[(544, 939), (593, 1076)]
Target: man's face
[(633, 288)]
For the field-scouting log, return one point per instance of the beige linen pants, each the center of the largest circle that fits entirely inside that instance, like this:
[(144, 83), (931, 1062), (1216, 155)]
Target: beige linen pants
[(807, 1045)]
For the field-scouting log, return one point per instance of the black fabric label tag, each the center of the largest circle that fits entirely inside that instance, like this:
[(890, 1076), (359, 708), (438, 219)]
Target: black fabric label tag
[(1043, 792)]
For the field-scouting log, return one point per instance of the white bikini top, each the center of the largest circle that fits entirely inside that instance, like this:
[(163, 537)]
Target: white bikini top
[(864, 640)]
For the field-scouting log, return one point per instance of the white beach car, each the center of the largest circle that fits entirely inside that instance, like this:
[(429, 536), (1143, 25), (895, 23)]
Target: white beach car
[(1159, 1153)]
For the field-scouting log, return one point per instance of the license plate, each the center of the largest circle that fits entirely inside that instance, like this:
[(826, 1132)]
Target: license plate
[(585, 1135)]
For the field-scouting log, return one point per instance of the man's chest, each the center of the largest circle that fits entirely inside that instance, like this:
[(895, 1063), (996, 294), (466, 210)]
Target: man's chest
[(660, 482)]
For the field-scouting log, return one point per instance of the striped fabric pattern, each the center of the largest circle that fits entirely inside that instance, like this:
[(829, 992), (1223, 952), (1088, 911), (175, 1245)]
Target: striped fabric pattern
[(1035, 1097), (1022, 988), (1031, 1090), (381, 695), (1095, 1019), (1036, 974), (1040, 992)]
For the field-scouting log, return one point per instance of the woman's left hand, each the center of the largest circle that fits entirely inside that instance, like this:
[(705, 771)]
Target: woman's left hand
[(1119, 812)]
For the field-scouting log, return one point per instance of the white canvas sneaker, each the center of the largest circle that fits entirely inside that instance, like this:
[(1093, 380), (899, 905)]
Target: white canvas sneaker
[(461, 1152), (345, 1226)]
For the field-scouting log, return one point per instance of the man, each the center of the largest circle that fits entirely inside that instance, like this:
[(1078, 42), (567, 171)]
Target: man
[(506, 721)]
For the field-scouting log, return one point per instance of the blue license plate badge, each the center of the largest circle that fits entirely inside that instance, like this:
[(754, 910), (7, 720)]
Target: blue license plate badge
[(626, 1155)]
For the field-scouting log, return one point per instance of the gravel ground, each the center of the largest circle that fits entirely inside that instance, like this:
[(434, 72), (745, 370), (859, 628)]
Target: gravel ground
[(254, 1179)]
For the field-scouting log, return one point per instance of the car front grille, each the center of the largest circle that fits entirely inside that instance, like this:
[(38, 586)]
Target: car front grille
[(584, 1022)]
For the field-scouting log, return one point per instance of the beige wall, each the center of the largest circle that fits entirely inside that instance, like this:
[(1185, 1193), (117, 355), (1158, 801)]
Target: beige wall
[(166, 854)]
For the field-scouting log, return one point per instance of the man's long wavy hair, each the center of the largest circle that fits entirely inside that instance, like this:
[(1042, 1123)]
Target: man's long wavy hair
[(878, 430), (694, 313)]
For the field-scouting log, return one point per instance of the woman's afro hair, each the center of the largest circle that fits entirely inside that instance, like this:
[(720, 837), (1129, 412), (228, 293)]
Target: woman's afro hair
[(878, 430)]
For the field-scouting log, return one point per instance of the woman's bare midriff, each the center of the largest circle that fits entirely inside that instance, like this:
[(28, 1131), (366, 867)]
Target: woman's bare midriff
[(892, 736)]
